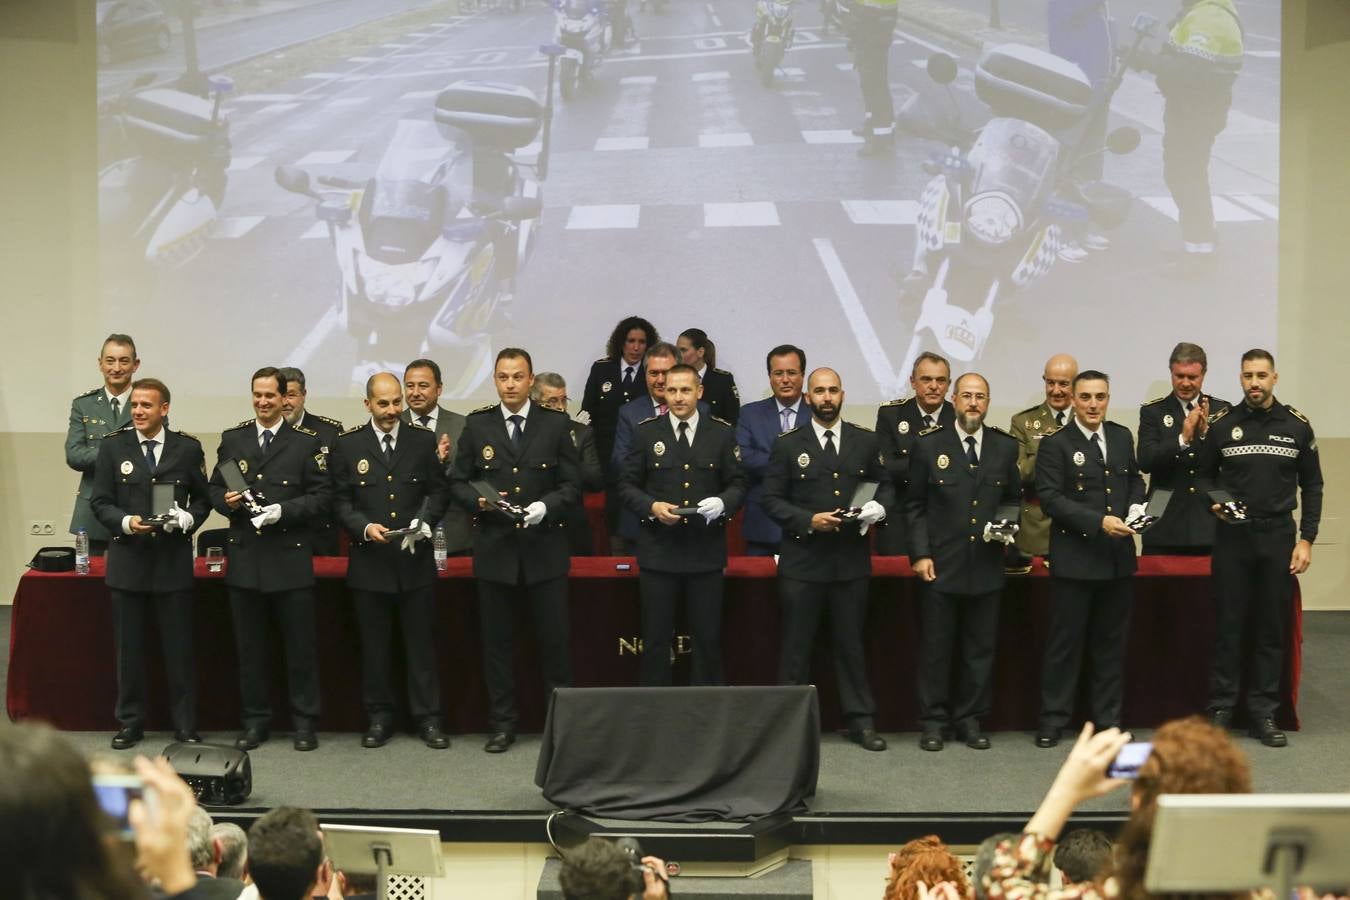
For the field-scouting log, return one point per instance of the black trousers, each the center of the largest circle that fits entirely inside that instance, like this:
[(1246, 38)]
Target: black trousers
[(1091, 615), (891, 539), (497, 604), (956, 624), (294, 612), (702, 595), (875, 32), (1190, 125), (173, 615), (416, 612), (801, 604), (1163, 550), (1254, 588)]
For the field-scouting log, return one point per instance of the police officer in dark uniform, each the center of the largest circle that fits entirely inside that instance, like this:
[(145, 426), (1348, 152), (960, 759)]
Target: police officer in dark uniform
[(1170, 431), (961, 479), (682, 460), (149, 566), (1089, 483), (386, 476), (525, 452), (550, 391), (899, 423), (322, 529), (271, 556), (813, 472), (697, 350), (1264, 454)]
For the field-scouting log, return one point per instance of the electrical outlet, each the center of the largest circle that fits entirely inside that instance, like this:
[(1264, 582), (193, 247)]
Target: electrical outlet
[(38, 528), (48, 529)]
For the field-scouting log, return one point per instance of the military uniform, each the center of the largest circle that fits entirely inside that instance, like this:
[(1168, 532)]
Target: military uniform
[(324, 529), (1091, 589), (510, 560), (1029, 427), (91, 417), (898, 425), (947, 506), (719, 392), (271, 569), (369, 488), (151, 570), (1187, 528), (824, 569), (1269, 460), (684, 560)]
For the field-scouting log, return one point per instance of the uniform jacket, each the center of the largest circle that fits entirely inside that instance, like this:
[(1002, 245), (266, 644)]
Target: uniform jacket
[(160, 561), (756, 431), (1078, 491), (368, 490), (327, 429), (1266, 458), (1188, 521), (799, 484), (546, 467), (592, 480), (604, 396), (90, 419), (948, 503), (293, 473), (719, 392), (1028, 427), (457, 523), (659, 468), (633, 412), (1203, 52), (898, 425), (324, 529)]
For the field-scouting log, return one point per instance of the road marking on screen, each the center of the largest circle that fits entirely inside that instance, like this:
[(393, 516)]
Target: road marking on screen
[(605, 144), (793, 73), (863, 332), (325, 157), (234, 227), (748, 214), (638, 79), (419, 95), (881, 212), (837, 136), (364, 59), (931, 48), (730, 139), (604, 216), (322, 76), (710, 76)]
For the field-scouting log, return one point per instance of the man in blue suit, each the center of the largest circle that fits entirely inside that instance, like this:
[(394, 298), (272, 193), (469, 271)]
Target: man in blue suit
[(760, 423)]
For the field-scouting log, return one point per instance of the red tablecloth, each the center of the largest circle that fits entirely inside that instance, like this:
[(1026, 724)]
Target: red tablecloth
[(61, 647)]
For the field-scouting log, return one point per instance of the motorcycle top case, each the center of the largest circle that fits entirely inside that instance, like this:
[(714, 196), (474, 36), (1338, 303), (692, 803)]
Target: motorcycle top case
[(173, 116), (493, 113), (1023, 82)]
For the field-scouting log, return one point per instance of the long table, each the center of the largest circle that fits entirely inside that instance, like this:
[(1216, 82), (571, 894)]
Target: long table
[(61, 646)]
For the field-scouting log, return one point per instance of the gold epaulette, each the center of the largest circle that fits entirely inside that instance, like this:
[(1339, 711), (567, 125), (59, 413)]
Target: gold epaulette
[(483, 409), (1297, 415), (1155, 400), (353, 430), (243, 424), (900, 402), (189, 435), (862, 427), (334, 422), (998, 430), (648, 419), (933, 430), (303, 430), (1220, 414), (722, 420), (418, 425)]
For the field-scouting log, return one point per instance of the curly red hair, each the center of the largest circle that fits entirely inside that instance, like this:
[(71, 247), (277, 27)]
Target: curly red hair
[(924, 859)]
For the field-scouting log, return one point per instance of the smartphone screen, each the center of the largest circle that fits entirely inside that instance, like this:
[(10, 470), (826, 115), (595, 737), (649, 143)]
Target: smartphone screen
[(114, 794), (1127, 762)]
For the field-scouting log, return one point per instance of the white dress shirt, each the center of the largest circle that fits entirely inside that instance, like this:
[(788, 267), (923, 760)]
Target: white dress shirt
[(693, 424), (836, 429), (1088, 434)]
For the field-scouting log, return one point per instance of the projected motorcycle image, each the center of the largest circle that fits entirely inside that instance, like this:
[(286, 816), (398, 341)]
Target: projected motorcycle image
[(356, 183)]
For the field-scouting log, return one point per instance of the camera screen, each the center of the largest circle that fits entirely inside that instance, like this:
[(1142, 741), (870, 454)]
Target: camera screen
[(1129, 760), (115, 794)]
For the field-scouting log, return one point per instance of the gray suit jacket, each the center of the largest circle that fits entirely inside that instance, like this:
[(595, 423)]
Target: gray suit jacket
[(458, 524)]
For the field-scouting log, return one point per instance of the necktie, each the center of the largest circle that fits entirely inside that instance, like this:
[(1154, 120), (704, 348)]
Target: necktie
[(831, 451), (150, 455), (266, 439), (787, 415), (1059, 418), (927, 421), (1190, 405), (424, 420), (115, 407), (627, 377), (1097, 446), (684, 435), (517, 428), (970, 452), (389, 448)]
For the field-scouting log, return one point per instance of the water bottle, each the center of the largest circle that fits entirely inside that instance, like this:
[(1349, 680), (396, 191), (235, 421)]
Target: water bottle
[(81, 552), (438, 548)]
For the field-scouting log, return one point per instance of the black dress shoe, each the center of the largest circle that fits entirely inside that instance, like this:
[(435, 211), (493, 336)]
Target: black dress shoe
[(127, 738), (189, 736), (498, 742), (251, 738), (1221, 717), (931, 741), (867, 738), (305, 739), (433, 737), (974, 738), (1267, 733), (377, 735), (1047, 738)]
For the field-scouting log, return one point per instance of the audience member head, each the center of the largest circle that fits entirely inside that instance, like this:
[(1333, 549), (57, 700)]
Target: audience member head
[(924, 859), (233, 845), (202, 850), (630, 339), (1082, 855), (596, 870), (285, 854), (984, 861)]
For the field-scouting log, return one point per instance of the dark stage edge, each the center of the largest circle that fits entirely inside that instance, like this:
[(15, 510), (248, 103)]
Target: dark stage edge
[(862, 798)]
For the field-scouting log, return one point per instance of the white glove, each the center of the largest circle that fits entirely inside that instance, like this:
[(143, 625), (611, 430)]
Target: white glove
[(1002, 537), (420, 530), (872, 513), (534, 513), (179, 519), (583, 417), (711, 509), (270, 515)]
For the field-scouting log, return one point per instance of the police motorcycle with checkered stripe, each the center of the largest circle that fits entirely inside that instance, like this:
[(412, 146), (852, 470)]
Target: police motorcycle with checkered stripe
[(159, 197), (992, 217), (583, 30), (428, 249), (771, 36)]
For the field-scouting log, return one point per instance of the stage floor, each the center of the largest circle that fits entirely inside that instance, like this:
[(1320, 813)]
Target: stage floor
[(477, 796)]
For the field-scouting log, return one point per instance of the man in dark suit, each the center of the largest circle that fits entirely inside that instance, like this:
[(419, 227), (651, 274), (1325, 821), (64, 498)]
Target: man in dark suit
[(271, 556), (150, 566), (1170, 431), (962, 479), (323, 529), (385, 477), (1089, 484), (759, 425), (92, 415), (697, 350), (813, 473), (682, 460), (422, 394), (899, 423), (525, 452), (550, 391)]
